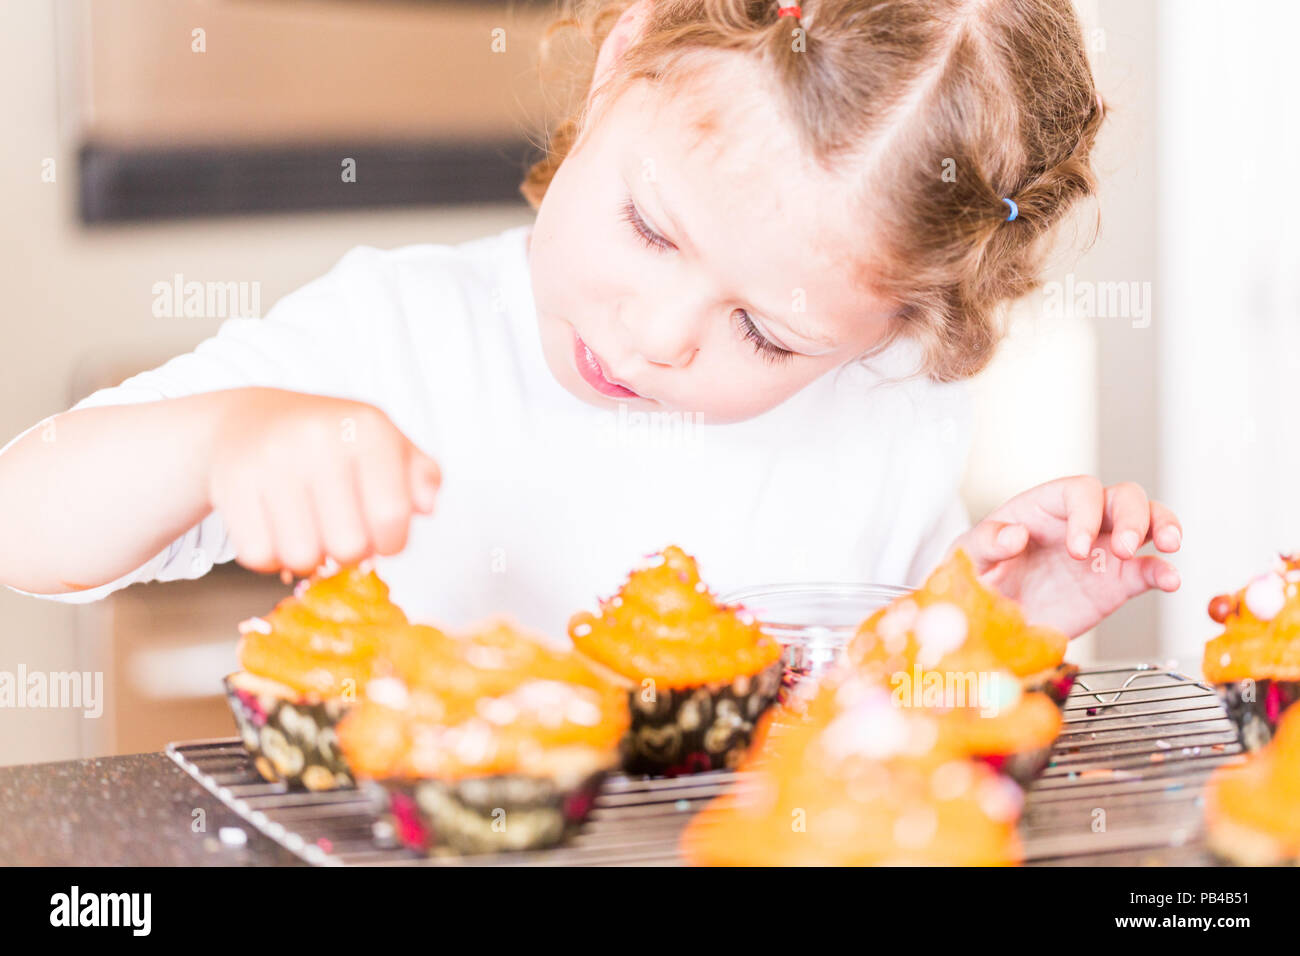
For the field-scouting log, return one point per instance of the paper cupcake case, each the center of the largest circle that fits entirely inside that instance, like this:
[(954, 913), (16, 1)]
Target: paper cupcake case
[(696, 729), (1255, 706), (1023, 767), (1026, 766), (495, 814), (1055, 683), (291, 740)]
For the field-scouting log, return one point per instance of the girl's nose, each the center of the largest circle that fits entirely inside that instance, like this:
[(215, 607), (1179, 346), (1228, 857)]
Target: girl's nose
[(668, 338)]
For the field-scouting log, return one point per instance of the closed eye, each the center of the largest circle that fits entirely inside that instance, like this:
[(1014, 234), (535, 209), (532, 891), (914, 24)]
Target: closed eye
[(769, 350), (765, 347), (647, 235)]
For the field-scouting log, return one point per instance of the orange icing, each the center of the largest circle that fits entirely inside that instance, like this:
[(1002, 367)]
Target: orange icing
[(322, 640), (1253, 648), (854, 785), (991, 643), (1032, 723), (1002, 721), (1263, 794), (489, 702), (665, 625), (997, 637)]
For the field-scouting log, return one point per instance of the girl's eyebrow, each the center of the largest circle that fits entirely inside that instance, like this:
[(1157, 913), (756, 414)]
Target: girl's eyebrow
[(684, 238)]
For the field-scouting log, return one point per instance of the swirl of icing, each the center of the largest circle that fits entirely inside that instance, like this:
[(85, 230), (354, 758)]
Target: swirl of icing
[(1261, 795), (323, 639), (494, 700), (954, 623), (664, 624), (860, 781), (1261, 628)]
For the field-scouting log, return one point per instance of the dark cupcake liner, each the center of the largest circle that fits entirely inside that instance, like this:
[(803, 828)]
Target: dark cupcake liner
[(687, 730), (487, 814), (1055, 683), (1023, 767), (291, 740), (1255, 706)]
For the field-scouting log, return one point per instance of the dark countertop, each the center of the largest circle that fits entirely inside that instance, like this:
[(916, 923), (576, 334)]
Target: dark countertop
[(136, 810)]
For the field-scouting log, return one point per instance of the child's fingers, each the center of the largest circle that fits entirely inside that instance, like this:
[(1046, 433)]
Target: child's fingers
[(1166, 529), (1129, 517), (337, 507), (240, 506), (385, 499), (1147, 572), (293, 526), (991, 542), (425, 478), (1085, 500)]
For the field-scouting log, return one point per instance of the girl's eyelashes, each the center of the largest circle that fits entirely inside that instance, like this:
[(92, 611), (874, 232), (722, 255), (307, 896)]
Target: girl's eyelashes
[(647, 235), (769, 350)]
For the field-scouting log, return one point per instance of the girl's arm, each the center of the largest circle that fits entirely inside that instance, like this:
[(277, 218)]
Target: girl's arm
[(96, 492), (296, 478)]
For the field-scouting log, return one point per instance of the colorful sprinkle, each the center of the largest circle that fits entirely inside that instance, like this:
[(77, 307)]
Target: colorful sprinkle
[(1265, 596)]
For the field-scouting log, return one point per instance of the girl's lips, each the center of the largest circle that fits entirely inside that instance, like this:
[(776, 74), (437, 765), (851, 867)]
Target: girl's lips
[(593, 374)]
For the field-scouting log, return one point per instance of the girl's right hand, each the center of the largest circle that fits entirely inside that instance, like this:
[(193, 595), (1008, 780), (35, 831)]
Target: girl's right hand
[(298, 478)]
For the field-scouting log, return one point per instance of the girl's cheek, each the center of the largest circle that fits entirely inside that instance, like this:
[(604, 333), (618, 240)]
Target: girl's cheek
[(739, 392)]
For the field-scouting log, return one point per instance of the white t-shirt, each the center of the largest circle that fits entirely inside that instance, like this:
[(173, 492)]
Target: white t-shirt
[(548, 502)]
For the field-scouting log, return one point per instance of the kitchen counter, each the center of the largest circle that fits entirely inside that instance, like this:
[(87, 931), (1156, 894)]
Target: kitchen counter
[(136, 810)]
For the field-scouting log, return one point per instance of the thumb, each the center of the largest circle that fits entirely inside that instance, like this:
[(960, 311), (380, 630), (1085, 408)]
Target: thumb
[(425, 478), (991, 542), (1147, 572)]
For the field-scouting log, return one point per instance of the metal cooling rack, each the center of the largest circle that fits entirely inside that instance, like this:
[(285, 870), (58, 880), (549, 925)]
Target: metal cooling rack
[(1123, 789)]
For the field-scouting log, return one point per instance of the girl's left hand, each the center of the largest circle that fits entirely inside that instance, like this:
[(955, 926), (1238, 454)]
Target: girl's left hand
[(1038, 549)]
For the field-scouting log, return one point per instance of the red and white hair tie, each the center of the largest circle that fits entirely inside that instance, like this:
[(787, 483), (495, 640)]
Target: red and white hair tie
[(793, 11)]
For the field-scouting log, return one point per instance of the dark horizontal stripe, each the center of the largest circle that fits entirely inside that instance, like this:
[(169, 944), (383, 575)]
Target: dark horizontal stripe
[(122, 184)]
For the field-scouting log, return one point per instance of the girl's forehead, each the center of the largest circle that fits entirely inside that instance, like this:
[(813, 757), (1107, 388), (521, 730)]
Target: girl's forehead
[(735, 166), (718, 133), (723, 107), (748, 211)]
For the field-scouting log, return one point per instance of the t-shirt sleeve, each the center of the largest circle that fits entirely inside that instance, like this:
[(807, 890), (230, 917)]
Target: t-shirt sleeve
[(305, 343)]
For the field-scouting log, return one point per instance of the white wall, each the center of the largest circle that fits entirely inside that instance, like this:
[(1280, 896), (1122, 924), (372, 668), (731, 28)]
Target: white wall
[(1230, 294)]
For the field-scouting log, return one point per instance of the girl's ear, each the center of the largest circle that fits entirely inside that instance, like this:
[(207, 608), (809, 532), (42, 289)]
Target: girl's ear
[(624, 32)]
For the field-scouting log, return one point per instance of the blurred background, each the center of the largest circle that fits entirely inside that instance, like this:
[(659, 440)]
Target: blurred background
[(158, 142)]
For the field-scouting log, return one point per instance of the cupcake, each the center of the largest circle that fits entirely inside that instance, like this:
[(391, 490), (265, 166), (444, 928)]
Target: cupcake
[(1252, 810), (996, 683), (859, 782), (303, 665), (698, 673), (1255, 662), (485, 742)]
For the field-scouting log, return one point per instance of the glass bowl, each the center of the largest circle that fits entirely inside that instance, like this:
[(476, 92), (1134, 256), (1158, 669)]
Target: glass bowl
[(813, 622)]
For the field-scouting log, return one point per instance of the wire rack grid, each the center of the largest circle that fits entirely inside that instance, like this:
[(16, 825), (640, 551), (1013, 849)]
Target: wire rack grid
[(1123, 788)]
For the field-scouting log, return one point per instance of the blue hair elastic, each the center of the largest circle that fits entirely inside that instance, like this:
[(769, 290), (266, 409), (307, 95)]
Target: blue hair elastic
[(1015, 210)]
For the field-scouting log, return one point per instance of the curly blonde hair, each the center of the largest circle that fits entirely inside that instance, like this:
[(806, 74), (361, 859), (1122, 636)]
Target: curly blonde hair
[(944, 106)]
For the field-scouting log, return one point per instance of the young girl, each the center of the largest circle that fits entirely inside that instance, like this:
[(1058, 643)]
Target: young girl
[(765, 253)]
